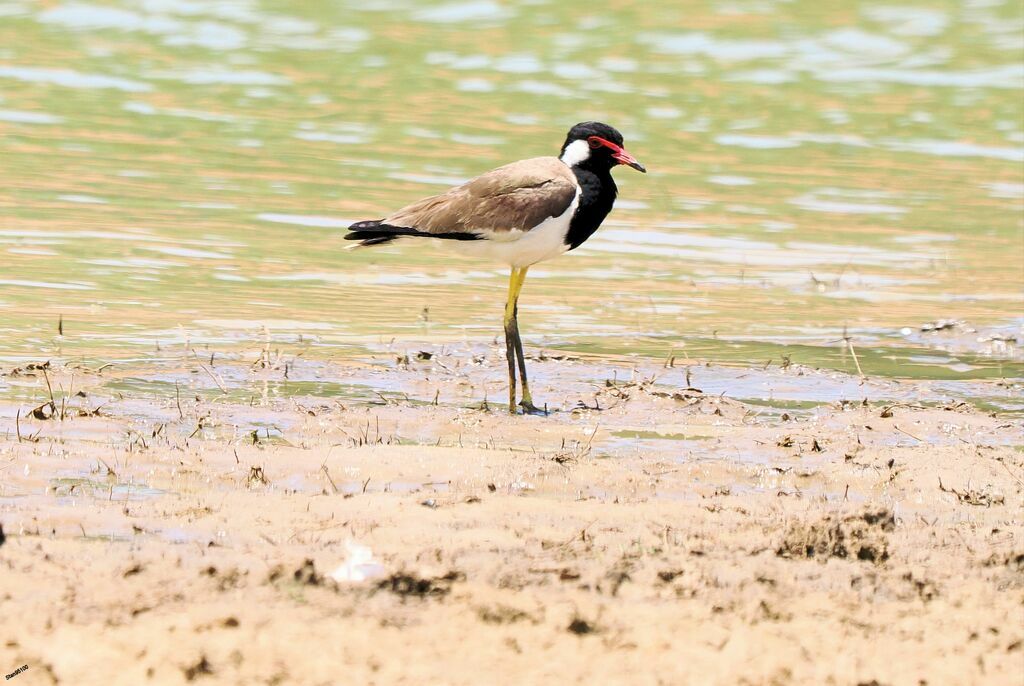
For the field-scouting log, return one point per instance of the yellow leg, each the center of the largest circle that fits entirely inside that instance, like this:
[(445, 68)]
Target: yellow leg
[(515, 285), (510, 352), (527, 401)]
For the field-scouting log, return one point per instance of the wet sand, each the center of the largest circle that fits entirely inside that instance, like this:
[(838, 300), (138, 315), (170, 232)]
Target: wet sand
[(387, 522)]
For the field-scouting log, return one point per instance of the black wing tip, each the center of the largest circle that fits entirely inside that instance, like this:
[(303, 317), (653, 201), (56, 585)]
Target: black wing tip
[(367, 225), (369, 232)]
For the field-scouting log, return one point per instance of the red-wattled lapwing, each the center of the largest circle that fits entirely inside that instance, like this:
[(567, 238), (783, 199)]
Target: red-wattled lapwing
[(519, 214)]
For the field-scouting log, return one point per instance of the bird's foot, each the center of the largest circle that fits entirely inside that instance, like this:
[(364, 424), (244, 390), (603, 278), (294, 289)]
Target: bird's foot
[(530, 408)]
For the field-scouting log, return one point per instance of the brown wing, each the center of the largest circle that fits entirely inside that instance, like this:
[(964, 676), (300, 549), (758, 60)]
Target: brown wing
[(519, 196)]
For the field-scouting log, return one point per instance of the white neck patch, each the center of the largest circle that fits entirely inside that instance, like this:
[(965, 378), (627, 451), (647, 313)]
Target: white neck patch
[(576, 152)]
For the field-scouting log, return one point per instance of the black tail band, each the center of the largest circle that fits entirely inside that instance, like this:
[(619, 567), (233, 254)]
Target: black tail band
[(375, 233)]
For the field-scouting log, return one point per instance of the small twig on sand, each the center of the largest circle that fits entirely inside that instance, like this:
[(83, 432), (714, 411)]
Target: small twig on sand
[(220, 384), (907, 433), (582, 535), (586, 448), (110, 472), (49, 389), (328, 475), (177, 399), (34, 438), (1012, 476), (856, 362)]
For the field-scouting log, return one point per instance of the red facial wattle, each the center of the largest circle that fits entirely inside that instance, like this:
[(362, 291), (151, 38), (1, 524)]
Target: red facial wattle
[(619, 154)]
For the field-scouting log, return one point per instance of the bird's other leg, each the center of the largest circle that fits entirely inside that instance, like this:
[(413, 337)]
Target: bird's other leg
[(510, 337), (527, 402)]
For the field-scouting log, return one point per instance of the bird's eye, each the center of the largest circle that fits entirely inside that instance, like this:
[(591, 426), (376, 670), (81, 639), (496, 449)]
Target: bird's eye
[(594, 142)]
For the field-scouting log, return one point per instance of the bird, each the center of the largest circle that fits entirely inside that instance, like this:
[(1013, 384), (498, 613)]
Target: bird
[(518, 214)]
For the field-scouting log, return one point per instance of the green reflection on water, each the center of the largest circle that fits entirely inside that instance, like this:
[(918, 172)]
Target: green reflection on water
[(180, 174)]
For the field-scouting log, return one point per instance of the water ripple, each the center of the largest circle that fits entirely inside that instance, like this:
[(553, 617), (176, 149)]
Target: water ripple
[(72, 79)]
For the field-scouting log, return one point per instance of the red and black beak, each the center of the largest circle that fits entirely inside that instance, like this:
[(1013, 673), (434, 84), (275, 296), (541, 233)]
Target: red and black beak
[(619, 154)]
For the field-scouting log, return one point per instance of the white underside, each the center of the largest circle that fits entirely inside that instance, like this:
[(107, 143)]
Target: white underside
[(523, 248)]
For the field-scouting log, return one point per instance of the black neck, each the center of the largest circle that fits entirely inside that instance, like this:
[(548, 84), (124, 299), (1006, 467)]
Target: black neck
[(597, 195)]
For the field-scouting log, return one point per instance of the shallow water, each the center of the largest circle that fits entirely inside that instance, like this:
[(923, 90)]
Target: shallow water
[(177, 175)]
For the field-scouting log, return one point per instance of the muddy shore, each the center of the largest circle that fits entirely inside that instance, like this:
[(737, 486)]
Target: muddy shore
[(386, 521)]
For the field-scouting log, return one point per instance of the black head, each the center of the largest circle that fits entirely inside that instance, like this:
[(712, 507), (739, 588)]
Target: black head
[(596, 146)]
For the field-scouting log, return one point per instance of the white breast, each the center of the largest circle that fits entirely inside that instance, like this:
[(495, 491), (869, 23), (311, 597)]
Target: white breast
[(524, 248)]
